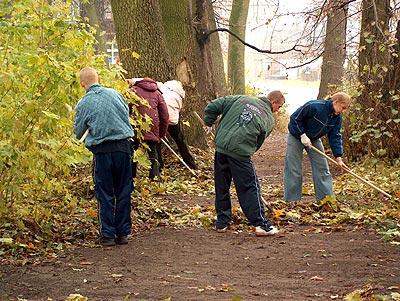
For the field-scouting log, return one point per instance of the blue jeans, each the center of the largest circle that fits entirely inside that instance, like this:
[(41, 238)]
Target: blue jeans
[(113, 185), (247, 187), (293, 174)]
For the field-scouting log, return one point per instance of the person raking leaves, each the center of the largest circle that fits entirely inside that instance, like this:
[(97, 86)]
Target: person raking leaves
[(245, 123)]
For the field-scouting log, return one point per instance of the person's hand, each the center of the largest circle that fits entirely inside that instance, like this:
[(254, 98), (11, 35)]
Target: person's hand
[(341, 164), (305, 140)]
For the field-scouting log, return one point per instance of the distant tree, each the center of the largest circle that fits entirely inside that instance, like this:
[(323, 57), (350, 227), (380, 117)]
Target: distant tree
[(236, 49), (92, 12), (373, 128), (332, 69)]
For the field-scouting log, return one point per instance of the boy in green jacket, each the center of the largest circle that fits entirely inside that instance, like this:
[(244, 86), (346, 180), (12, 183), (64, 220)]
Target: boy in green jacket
[(245, 123)]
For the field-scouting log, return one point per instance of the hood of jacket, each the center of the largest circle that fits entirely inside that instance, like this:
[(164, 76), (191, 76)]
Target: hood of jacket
[(176, 87), (147, 84)]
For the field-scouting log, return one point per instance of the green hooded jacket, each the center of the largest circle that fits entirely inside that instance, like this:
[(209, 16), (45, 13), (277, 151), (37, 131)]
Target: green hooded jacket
[(245, 123)]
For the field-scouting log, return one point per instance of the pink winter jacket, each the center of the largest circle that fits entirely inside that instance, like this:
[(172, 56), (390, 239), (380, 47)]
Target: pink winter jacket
[(158, 112), (173, 93)]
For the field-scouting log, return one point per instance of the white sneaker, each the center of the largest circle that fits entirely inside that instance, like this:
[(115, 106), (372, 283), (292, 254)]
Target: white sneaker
[(264, 231), (222, 230)]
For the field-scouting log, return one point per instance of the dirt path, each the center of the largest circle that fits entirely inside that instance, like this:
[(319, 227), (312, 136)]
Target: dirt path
[(302, 263)]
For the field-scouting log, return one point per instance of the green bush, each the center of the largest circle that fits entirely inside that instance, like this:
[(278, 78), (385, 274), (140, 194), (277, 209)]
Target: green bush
[(42, 49)]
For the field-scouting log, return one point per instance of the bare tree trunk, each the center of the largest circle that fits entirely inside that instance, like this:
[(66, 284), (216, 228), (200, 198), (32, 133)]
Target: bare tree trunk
[(332, 69), (236, 65)]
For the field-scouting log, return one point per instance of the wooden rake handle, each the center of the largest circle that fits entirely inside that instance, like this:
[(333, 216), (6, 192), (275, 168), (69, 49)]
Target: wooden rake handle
[(202, 123), (176, 155), (350, 172), (84, 136)]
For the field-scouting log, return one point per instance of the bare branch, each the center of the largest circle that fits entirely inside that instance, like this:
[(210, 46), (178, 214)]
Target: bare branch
[(207, 33)]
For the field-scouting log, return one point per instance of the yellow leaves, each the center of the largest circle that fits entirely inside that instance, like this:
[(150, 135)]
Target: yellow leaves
[(6, 240), (51, 115), (91, 213), (135, 55), (221, 288), (76, 297), (359, 295), (278, 213)]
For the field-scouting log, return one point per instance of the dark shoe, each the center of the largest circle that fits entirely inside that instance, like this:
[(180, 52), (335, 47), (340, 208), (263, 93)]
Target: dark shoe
[(121, 240), (266, 231), (106, 242)]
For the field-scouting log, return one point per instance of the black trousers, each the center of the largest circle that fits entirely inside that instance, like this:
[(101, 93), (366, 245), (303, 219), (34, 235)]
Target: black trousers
[(154, 173), (243, 174), (176, 133)]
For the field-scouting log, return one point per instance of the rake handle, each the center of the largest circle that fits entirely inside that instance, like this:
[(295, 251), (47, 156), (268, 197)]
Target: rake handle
[(176, 155), (84, 136), (350, 172)]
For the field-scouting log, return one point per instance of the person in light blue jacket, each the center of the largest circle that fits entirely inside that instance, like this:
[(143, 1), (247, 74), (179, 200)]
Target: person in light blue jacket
[(105, 114), (310, 122)]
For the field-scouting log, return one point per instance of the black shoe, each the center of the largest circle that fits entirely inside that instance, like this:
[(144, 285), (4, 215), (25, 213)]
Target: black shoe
[(106, 242), (121, 240)]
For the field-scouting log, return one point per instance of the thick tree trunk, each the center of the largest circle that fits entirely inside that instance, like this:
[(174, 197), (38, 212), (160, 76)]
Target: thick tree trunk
[(170, 44), (236, 65), (332, 69), (139, 30)]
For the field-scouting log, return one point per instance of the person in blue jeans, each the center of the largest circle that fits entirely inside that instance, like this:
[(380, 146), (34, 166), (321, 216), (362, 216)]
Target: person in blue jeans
[(310, 122), (104, 112), (245, 122)]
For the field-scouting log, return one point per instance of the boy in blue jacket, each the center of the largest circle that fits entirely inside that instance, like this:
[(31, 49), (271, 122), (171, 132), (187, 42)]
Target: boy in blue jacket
[(314, 119), (245, 123)]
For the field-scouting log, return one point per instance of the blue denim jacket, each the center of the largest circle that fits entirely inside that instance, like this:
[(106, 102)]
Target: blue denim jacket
[(317, 118), (105, 113)]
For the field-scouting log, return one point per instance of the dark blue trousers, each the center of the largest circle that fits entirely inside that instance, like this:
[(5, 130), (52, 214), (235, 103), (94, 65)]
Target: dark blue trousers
[(247, 187), (113, 185)]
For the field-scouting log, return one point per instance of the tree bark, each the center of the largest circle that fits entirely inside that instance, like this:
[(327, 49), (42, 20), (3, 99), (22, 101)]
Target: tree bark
[(236, 65), (89, 10), (170, 44), (141, 39), (332, 69)]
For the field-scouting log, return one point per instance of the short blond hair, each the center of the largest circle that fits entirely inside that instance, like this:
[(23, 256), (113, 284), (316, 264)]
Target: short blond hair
[(88, 76), (341, 97)]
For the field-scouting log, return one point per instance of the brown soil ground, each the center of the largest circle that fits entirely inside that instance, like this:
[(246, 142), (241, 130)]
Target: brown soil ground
[(177, 263)]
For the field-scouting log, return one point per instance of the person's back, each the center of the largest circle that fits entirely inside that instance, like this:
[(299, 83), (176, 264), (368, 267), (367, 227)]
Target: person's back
[(107, 115), (158, 112), (245, 122), (173, 93), (104, 113)]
